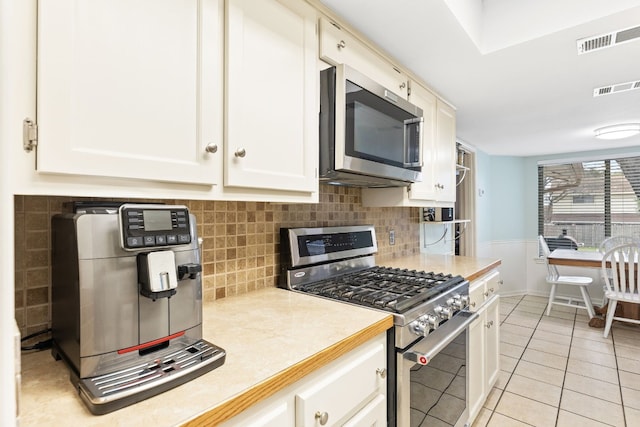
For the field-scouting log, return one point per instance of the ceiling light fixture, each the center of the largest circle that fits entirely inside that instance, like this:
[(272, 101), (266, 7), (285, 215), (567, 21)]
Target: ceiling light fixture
[(624, 130)]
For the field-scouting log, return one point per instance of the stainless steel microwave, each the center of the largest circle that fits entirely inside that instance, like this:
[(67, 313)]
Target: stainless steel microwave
[(369, 136)]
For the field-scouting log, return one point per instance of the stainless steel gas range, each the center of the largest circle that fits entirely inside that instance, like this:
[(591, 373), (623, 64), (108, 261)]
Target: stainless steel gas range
[(427, 347)]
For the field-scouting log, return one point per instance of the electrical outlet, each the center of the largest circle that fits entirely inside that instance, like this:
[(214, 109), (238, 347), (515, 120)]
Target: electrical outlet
[(392, 237)]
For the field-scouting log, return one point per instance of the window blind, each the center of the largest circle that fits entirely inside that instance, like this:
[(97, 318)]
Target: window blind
[(590, 200)]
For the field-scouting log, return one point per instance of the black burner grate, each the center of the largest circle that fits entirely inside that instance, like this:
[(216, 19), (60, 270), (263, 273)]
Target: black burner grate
[(392, 289)]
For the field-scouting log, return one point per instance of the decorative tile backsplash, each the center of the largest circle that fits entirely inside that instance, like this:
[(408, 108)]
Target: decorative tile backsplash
[(240, 248)]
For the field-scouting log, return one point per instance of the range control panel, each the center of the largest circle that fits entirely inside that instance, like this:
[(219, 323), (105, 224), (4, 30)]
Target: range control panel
[(152, 226)]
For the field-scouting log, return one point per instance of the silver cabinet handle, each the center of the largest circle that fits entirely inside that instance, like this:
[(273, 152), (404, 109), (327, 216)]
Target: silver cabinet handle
[(211, 148), (403, 85), (323, 417), (473, 304), (501, 282), (490, 324), (491, 290), (486, 294), (341, 44), (382, 372), (240, 153)]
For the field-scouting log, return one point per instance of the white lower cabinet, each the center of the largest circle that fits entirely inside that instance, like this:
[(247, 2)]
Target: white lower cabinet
[(350, 391), (484, 341)]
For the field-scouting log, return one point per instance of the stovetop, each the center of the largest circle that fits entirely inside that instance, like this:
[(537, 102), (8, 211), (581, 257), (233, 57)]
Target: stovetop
[(391, 289)]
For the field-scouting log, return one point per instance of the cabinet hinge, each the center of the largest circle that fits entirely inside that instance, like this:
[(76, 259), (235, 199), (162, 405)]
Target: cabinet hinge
[(29, 135)]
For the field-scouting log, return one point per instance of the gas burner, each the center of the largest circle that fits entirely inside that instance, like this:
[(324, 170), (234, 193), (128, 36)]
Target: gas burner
[(392, 289)]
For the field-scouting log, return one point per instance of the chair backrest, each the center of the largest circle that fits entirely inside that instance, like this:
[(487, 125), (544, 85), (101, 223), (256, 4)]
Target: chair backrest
[(552, 271), (623, 261), (613, 241), (562, 242)]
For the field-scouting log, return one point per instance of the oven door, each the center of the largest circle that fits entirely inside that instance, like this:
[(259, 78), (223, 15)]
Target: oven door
[(431, 376)]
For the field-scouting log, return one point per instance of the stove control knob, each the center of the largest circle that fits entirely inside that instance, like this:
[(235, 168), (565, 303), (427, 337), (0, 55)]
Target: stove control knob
[(460, 301), (432, 321), (420, 327), (444, 312), (424, 324)]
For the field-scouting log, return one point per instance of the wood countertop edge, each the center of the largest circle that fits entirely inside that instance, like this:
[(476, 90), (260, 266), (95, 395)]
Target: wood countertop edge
[(235, 405), (483, 271)]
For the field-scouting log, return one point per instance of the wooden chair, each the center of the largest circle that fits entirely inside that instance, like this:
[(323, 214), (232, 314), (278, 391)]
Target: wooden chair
[(622, 284), (605, 246), (555, 279)]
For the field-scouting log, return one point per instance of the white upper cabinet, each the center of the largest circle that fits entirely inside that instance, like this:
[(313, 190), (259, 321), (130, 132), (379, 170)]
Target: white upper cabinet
[(337, 46), (438, 185), (271, 103), (426, 189), (130, 89), (444, 166)]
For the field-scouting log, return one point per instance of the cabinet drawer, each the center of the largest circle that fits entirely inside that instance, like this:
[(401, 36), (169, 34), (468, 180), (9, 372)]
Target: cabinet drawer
[(344, 389), (493, 284), (374, 414), (476, 295)]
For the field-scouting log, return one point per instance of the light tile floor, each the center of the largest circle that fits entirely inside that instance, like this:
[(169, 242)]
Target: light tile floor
[(558, 371)]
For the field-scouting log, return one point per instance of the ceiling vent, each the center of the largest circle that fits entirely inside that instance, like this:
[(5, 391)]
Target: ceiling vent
[(617, 88), (603, 41)]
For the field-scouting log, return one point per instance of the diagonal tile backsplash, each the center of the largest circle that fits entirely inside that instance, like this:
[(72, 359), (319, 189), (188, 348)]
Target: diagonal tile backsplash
[(240, 248)]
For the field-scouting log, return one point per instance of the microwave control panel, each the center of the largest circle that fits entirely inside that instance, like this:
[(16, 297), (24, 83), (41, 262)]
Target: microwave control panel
[(153, 226)]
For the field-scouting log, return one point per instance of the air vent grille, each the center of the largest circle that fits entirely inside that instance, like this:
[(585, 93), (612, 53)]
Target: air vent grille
[(602, 41), (617, 88)]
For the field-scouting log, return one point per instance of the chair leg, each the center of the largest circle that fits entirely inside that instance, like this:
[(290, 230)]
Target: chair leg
[(552, 296), (587, 302), (610, 312)]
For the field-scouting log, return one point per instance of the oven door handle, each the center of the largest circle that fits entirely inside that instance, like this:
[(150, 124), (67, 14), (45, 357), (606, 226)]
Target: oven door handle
[(432, 344)]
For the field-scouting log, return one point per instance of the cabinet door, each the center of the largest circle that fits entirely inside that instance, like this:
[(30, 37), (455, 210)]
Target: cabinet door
[(444, 165), (337, 46), (424, 99), (373, 415), (271, 138), (476, 369), (492, 340), (343, 389), (130, 89)]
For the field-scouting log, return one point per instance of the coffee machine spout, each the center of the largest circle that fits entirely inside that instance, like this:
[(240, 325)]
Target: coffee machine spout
[(157, 274)]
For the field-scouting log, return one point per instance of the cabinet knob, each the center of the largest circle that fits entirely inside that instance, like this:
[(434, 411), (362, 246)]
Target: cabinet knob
[(382, 372), (403, 85), (489, 324), (323, 417), (473, 304), (486, 294), (501, 282), (341, 44), (491, 290), (211, 148), (240, 153)]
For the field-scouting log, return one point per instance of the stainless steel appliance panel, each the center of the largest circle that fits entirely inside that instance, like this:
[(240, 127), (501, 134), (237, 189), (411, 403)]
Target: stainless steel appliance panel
[(108, 305)]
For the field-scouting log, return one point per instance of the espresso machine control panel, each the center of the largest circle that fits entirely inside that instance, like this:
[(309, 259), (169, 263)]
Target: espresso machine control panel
[(153, 226)]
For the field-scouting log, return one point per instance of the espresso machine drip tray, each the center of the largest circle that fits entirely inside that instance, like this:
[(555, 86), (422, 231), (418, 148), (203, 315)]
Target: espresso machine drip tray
[(107, 393)]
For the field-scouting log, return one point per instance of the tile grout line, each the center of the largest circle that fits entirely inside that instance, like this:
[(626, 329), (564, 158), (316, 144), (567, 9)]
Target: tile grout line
[(572, 336)]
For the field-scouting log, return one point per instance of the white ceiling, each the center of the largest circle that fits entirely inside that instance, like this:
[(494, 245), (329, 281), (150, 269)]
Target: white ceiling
[(511, 67)]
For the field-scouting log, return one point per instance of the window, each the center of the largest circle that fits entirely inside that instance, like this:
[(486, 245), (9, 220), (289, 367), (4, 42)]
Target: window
[(589, 200)]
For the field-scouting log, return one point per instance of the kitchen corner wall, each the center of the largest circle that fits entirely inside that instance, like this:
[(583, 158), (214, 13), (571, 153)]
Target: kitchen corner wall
[(240, 248)]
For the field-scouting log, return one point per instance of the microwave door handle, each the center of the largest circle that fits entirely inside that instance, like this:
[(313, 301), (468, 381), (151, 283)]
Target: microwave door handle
[(407, 138)]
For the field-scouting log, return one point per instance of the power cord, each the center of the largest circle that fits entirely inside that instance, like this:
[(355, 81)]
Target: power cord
[(42, 345)]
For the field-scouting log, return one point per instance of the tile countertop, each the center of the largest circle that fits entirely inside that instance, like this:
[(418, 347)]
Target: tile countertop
[(272, 337), (470, 268)]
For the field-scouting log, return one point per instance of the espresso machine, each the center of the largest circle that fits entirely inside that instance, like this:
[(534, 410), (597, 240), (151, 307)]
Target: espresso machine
[(127, 301)]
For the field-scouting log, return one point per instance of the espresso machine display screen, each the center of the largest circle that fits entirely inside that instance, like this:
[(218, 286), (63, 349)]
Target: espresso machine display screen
[(150, 226), (156, 220)]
